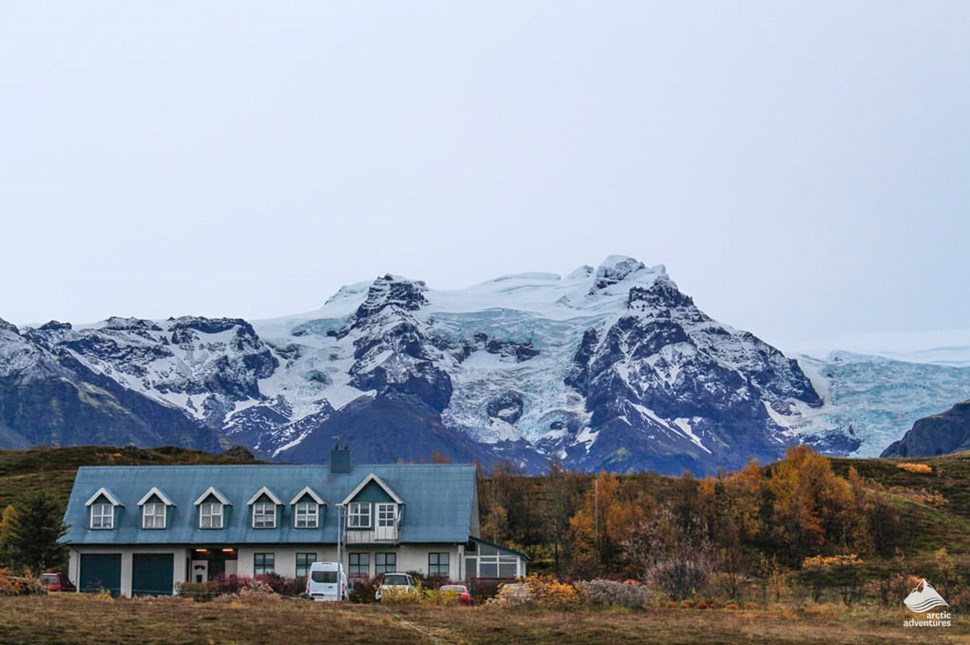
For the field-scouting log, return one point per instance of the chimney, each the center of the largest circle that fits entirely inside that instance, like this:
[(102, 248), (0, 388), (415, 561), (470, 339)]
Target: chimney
[(340, 459)]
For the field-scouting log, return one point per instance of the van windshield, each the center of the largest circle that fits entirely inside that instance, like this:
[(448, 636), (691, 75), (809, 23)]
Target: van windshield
[(324, 576), (396, 580)]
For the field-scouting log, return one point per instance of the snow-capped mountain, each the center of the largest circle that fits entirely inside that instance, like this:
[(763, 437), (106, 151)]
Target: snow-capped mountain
[(609, 367)]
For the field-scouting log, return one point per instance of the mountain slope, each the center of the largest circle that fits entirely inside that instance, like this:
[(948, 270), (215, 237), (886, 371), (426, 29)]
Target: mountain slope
[(48, 397), (939, 434), (609, 367)]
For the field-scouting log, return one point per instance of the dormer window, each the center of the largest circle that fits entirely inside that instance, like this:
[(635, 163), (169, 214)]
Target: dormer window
[(306, 509), (102, 515), (379, 516), (358, 515), (264, 504), (212, 509), (154, 509), (101, 507), (210, 515)]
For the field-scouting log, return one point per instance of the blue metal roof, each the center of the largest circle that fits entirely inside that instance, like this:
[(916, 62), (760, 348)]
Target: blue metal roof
[(438, 498)]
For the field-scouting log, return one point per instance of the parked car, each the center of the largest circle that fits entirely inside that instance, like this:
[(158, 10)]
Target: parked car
[(403, 581), (464, 598), (327, 582), (56, 582)]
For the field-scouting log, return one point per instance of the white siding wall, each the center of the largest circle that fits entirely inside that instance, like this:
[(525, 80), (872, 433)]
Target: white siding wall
[(285, 557)]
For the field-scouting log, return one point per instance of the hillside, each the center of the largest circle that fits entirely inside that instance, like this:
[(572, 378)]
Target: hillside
[(53, 469), (934, 508)]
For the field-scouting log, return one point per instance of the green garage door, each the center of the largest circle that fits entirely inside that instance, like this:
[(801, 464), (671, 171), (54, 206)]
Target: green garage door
[(101, 571), (152, 574)]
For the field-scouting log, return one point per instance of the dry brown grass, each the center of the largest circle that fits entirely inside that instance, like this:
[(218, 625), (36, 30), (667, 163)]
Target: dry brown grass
[(72, 618)]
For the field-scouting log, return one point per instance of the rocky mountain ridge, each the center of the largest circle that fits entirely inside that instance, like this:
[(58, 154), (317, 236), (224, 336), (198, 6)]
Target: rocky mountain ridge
[(610, 367)]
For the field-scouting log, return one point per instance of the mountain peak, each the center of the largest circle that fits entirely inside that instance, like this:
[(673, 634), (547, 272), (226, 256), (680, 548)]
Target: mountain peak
[(393, 291)]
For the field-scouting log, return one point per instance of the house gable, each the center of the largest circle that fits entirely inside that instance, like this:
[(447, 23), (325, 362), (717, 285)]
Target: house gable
[(373, 490)]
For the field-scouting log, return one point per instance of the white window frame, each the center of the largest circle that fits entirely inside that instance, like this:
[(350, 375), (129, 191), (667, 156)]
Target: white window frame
[(264, 515), (212, 511), (153, 515), (306, 515), (103, 516), (357, 514)]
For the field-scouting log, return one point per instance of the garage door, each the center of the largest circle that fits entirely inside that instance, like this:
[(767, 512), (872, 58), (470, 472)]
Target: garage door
[(151, 574), (101, 571)]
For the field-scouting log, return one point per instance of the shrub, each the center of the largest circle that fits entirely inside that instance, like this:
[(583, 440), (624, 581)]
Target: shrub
[(512, 594), (922, 469), (258, 592), (549, 592), (609, 593), (362, 589), (439, 598), (483, 589), (841, 571), (401, 596), (282, 586), (25, 585), (199, 591)]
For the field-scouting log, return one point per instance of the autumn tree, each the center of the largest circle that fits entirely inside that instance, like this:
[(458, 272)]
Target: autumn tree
[(604, 522), (811, 506), (672, 555), (560, 504)]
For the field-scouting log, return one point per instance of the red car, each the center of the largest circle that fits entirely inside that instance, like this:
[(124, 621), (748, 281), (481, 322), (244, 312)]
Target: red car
[(464, 598), (56, 582)]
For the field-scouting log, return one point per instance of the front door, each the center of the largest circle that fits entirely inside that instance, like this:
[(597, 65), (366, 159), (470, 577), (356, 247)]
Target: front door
[(386, 522), (200, 571)]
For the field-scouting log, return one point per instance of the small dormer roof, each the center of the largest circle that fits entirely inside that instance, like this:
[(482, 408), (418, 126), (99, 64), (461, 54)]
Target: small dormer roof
[(103, 492), (307, 491), (264, 491), (154, 492), (211, 490), (372, 478)]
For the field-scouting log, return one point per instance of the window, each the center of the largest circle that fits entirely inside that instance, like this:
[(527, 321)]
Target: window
[(153, 515), (359, 564), (303, 562), (307, 515), (210, 515), (264, 515), (264, 563), (102, 515), (358, 516), (384, 563), (438, 564)]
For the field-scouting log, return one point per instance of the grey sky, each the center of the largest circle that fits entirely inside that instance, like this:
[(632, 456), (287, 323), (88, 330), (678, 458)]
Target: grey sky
[(802, 169)]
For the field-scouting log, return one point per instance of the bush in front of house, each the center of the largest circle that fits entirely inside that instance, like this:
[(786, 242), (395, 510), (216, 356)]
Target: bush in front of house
[(483, 589), (282, 586), (609, 593), (362, 589), (25, 585), (401, 596), (549, 592)]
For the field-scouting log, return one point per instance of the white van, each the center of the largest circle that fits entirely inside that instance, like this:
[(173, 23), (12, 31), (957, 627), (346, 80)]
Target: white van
[(327, 582)]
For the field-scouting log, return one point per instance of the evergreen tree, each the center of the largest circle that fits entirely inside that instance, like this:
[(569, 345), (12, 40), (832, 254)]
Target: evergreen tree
[(32, 539)]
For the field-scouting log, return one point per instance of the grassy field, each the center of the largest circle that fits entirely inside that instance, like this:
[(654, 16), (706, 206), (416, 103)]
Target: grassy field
[(72, 618)]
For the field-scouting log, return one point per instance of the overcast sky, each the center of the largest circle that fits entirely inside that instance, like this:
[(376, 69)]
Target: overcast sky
[(803, 169)]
